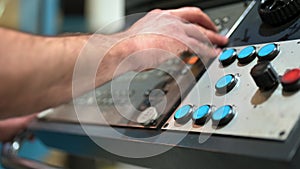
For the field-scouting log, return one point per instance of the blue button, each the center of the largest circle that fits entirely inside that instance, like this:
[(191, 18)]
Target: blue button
[(246, 52), (268, 52), (227, 57), (201, 114), (223, 115), (226, 54), (247, 55), (182, 114), (226, 83)]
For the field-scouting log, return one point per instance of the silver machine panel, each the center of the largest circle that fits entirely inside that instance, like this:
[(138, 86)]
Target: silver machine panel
[(265, 115)]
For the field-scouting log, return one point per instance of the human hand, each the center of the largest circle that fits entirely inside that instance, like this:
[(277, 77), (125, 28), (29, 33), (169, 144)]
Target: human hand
[(9, 128), (171, 31), (158, 36)]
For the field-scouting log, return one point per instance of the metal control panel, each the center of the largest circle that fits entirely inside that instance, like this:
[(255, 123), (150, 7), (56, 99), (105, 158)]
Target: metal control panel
[(245, 93), (131, 105)]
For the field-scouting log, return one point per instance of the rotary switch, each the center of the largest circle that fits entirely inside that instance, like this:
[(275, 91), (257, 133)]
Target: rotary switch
[(265, 75), (277, 12)]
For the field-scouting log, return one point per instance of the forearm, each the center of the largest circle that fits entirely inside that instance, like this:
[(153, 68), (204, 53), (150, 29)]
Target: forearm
[(36, 72), (32, 67)]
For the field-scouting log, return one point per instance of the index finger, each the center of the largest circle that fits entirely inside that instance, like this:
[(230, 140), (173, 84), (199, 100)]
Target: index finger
[(195, 15)]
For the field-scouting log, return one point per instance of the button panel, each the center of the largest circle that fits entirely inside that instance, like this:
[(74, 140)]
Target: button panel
[(258, 99)]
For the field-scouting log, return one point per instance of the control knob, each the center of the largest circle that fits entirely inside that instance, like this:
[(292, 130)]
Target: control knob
[(265, 75), (277, 12)]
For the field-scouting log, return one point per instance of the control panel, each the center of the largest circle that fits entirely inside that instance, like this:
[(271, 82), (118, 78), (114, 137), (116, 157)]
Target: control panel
[(248, 91), (137, 105)]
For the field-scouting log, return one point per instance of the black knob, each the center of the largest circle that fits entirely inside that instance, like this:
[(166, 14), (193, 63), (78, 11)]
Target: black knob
[(277, 12), (265, 75)]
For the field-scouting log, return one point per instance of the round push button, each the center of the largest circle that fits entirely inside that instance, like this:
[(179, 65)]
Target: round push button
[(201, 114), (223, 115), (268, 52), (291, 80), (226, 83), (183, 114), (227, 57), (247, 55)]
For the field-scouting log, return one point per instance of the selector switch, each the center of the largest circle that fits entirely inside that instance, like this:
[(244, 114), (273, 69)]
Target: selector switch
[(223, 115), (183, 114), (247, 55), (226, 83), (268, 52), (291, 80), (201, 114), (264, 75), (227, 57)]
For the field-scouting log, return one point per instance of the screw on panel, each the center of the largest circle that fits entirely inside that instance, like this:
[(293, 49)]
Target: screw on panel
[(282, 133), (166, 125)]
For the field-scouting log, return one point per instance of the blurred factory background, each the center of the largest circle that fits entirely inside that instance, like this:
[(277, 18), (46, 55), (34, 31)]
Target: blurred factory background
[(51, 17)]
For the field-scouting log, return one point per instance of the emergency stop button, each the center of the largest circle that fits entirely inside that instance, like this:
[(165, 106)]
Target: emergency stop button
[(291, 80)]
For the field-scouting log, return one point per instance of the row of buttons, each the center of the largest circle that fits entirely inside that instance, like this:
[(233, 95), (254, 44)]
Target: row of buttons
[(265, 78), (201, 115), (248, 54)]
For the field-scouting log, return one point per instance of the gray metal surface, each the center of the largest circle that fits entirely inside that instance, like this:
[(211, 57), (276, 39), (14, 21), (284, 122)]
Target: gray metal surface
[(270, 115)]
